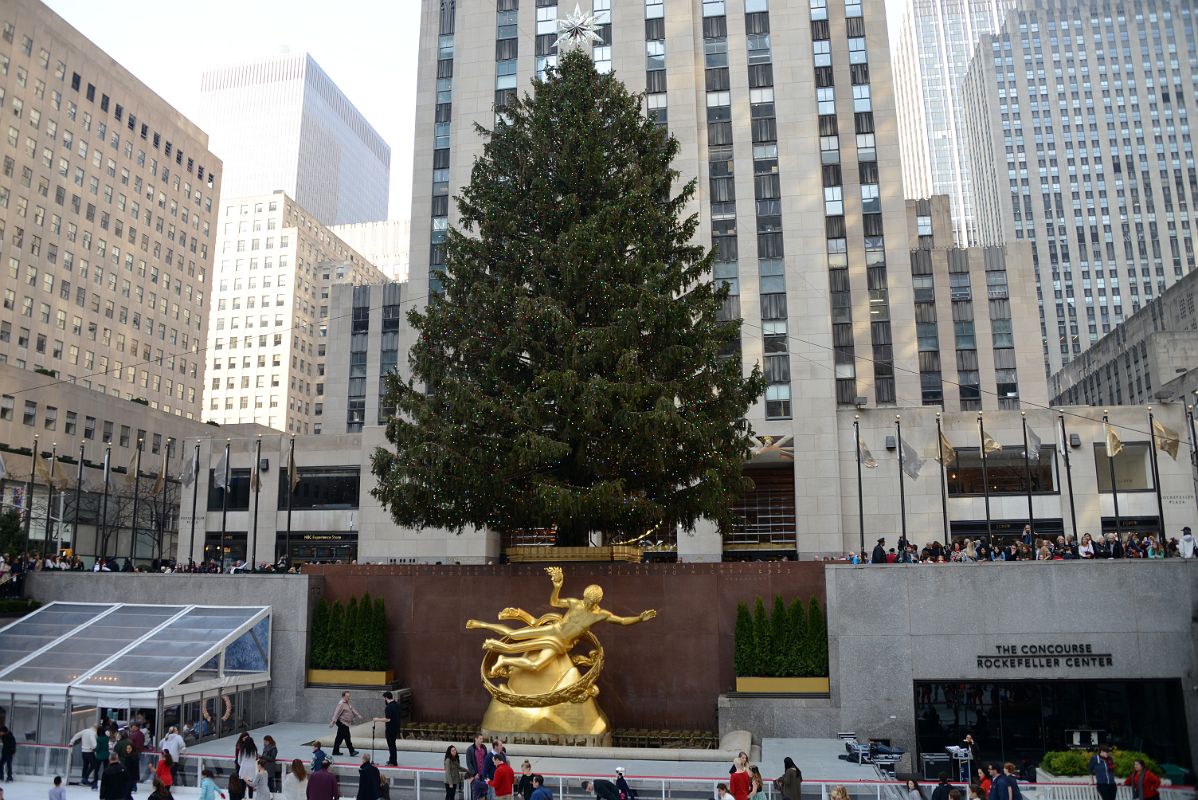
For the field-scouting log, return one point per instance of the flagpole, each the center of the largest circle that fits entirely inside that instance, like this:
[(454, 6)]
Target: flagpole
[(1156, 475), (1068, 473), (256, 482), (136, 498), (1193, 449), (291, 489), (49, 498), (78, 499), (29, 491), (860, 499), (1110, 462), (166, 458), (898, 428), (1027, 476), (195, 494), (943, 482), (104, 504), (224, 507), (985, 484)]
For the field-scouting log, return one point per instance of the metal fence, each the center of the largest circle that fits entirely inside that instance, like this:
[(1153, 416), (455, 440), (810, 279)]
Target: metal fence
[(425, 783)]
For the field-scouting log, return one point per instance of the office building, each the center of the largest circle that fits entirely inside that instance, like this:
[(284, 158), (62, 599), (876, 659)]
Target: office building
[(384, 244), (793, 141), (1150, 358), (266, 349), (280, 123), (935, 45), (107, 206), (1078, 137)]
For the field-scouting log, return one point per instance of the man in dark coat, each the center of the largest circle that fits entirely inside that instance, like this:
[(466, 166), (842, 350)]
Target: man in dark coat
[(114, 781), (368, 780), (604, 790), (879, 554)]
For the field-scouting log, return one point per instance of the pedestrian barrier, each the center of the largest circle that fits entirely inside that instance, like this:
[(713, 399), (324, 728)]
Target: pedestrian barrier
[(425, 783)]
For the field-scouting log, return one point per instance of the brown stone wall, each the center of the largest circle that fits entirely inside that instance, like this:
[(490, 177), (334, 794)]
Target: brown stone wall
[(684, 655)]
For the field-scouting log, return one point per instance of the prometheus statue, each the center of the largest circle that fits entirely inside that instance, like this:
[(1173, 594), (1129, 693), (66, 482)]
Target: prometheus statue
[(544, 690)]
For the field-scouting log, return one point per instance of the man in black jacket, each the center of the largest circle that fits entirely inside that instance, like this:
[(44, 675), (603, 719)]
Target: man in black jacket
[(368, 780), (8, 749), (114, 782), (879, 554), (604, 790), (942, 788)]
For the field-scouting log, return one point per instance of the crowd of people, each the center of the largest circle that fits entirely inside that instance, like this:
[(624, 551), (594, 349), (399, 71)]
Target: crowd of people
[(1030, 547)]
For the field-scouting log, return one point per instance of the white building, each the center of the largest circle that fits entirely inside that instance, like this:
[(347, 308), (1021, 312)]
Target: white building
[(384, 244), (281, 123)]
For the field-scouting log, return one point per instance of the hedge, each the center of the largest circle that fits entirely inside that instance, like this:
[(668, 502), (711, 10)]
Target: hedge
[(1073, 763), (787, 642), (353, 636)]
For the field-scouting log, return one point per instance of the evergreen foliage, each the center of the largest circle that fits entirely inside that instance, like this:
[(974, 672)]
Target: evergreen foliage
[(569, 376), (318, 637), (363, 632), (334, 655), (789, 642), (380, 657), (742, 654)]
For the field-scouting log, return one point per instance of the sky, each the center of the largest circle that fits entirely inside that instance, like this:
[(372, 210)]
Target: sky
[(368, 48)]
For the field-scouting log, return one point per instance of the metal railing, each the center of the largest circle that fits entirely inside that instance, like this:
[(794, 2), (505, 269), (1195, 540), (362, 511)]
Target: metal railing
[(425, 783)]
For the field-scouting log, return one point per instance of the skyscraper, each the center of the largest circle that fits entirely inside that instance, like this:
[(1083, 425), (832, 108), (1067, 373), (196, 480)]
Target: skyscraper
[(935, 46), (267, 341), (281, 123), (1078, 127), (793, 140), (107, 208)]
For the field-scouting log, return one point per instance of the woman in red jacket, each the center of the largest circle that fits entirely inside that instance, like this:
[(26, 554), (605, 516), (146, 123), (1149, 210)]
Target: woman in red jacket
[(1144, 784), (739, 783)]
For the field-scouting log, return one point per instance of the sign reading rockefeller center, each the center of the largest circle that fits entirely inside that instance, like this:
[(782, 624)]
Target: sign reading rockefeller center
[(1070, 655)]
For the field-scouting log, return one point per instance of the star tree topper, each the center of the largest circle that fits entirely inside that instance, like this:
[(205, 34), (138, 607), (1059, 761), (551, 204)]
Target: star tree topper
[(577, 30)]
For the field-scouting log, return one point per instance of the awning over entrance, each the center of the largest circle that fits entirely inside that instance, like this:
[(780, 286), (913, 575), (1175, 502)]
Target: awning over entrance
[(124, 654)]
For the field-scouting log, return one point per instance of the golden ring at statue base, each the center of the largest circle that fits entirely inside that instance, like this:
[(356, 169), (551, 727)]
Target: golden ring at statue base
[(543, 695)]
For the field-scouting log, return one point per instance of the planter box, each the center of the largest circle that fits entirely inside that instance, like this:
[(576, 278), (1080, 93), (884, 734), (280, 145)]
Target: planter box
[(817, 686), (350, 677), (551, 555)]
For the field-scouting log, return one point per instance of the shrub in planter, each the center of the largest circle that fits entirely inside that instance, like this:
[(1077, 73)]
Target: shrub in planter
[(742, 654), (319, 635), (1074, 763)]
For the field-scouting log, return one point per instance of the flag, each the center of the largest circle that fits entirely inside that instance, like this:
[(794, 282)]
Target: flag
[(1061, 436), (254, 478), (1114, 445), (1167, 439), (193, 466), (866, 457), (160, 480), (949, 452), (989, 445), (107, 462), (131, 470), (3, 468), (40, 472), (218, 473), (1033, 445), (912, 463), (293, 477), (57, 479)]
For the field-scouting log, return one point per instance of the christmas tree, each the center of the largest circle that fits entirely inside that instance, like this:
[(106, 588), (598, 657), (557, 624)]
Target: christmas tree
[(569, 377)]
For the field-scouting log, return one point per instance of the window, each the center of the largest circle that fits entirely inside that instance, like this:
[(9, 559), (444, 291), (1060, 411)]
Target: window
[(6, 407), (1004, 469), (30, 416), (323, 487), (1132, 473)]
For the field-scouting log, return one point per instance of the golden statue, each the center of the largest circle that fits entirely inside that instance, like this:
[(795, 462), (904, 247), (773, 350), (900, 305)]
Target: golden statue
[(544, 691)]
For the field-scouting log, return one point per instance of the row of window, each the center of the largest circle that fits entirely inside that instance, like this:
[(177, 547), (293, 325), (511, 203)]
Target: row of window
[(72, 426)]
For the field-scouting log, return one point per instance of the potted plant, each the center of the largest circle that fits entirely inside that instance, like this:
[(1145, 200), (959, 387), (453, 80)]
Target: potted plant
[(782, 652), (359, 659)]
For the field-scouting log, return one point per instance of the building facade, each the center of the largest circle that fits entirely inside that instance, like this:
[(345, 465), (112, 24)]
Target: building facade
[(280, 123), (1061, 489), (107, 207), (266, 352), (1151, 357), (384, 244), (935, 45), (1078, 137)]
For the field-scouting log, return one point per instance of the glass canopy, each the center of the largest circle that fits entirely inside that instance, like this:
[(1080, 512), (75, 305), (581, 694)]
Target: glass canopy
[(132, 652)]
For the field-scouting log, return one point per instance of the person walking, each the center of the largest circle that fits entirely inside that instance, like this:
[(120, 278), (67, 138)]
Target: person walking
[(87, 749), (137, 738), (790, 783), (1144, 783), (295, 784), (453, 773), (8, 749), (100, 754), (390, 719), (270, 755), (114, 782), (1102, 773), (344, 715), (123, 749), (318, 757), (368, 779), (322, 785), (262, 780), (247, 764), (164, 769), (524, 787), (878, 556)]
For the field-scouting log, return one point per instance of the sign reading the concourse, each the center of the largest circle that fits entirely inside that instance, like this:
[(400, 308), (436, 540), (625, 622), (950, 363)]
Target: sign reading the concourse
[(1054, 655)]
